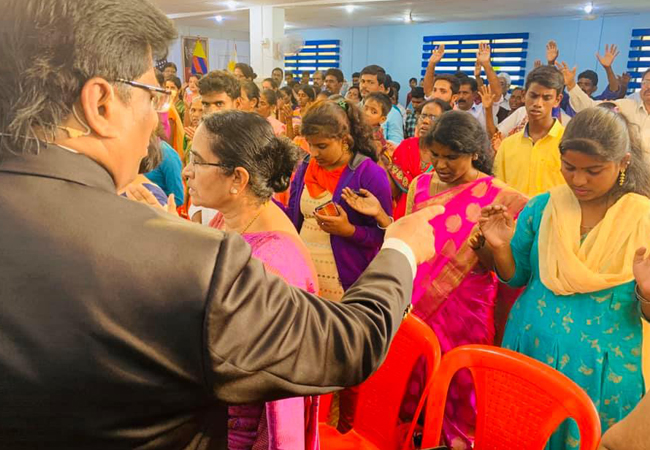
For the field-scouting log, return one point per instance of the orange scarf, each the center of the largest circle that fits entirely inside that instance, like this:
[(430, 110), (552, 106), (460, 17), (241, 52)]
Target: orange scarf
[(319, 180)]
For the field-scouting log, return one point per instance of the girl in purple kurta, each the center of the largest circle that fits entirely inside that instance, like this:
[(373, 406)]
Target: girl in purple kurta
[(341, 154), (342, 242)]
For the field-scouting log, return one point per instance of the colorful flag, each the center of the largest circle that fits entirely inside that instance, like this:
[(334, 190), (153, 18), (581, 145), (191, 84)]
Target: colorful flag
[(233, 59), (199, 60)]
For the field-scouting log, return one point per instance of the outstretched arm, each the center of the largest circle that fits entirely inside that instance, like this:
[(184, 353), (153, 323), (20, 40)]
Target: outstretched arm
[(430, 75)]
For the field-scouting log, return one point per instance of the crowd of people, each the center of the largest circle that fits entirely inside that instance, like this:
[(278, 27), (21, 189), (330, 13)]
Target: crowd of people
[(507, 216)]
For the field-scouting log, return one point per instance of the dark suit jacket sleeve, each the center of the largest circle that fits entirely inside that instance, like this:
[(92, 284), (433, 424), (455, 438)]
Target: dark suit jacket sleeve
[(266, 340)]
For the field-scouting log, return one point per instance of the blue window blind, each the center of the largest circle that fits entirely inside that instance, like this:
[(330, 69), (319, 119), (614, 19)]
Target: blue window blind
[(509, 51), (639, 57), (315, 55)]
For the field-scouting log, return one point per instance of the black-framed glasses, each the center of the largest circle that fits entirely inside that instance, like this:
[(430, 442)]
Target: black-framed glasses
[(193, 160), (160, 99)]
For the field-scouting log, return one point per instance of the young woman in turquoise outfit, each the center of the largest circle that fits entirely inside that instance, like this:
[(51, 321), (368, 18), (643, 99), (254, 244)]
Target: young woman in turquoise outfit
[(580, 250)]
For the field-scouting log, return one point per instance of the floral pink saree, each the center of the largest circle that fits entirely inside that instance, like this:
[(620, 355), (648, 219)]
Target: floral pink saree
[(453, 293)]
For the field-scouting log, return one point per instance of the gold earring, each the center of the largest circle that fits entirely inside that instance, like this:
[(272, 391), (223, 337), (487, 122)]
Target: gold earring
[(621, 178)]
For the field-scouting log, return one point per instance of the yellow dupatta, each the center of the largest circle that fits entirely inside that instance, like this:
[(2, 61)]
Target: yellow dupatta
[(604, 260)]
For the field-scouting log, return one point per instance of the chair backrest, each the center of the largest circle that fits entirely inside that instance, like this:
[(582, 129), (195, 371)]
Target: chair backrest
[(380, 396), (519, 400)]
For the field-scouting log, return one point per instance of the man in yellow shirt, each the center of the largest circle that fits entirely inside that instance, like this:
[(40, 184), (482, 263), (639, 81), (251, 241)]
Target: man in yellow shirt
[(529, 161)]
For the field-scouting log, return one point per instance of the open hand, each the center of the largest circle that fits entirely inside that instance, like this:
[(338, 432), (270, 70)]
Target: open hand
[(624, 80), (141, 194), (552, 52), (189, 132), (537, 63), (437, 54), (336, 225), (483, 53), (569, 75), (286, 114), (487, 99), (366, 203), (611, 52), (497, 226)]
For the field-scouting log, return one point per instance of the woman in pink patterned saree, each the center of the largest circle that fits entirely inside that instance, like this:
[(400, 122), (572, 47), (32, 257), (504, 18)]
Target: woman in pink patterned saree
[(237, 174), (456, 291)]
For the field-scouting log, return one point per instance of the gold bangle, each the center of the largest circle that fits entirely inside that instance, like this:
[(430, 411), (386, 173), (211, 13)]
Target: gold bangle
[(640, 297)]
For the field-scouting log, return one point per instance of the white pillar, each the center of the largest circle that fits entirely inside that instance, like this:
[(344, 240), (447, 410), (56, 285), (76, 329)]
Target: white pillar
[(266, 33)]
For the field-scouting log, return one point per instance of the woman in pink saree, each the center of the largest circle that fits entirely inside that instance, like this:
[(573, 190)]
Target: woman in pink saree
[(456, 292), (237, 174)]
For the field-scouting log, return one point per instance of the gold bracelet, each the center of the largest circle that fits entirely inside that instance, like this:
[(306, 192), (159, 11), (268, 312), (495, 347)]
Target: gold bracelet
[(639, 297)]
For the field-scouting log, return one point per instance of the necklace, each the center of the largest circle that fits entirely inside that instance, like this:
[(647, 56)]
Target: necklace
[(478, 173), (585, 230), (255, 218)]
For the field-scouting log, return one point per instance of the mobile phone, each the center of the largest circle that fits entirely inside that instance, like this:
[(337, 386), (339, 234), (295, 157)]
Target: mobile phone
[(327, 209)]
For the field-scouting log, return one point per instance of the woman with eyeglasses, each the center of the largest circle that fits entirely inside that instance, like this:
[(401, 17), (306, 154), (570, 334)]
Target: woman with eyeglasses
[(409, 160), (237, 173), (455, 293)]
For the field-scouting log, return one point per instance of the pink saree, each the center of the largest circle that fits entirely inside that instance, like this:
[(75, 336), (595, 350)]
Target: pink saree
[(289, 424), (453, 293)]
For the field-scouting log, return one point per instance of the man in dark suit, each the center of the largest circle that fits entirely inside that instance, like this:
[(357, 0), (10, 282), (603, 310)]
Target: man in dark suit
[(122, 326)]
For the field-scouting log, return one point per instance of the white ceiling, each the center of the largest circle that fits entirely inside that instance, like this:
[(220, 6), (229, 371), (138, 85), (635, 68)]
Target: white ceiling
[(302, 14)]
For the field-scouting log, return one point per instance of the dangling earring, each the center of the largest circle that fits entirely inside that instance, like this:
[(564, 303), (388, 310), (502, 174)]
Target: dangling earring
[(475, 157), (621, 178), (234, 191)]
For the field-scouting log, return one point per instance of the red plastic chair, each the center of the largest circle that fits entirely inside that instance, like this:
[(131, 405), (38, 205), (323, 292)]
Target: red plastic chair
[(520, 401), (380, 396)]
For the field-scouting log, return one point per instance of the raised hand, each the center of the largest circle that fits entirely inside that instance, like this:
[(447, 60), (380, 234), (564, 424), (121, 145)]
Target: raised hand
[(552, 52), (286, 113), (641, 270), (569, 74), (366, 203), (483, 53), (624, 80), (611, 52), (537, 63), (189, 132), (437, 54), (487, 99), (477, 69), (497, 226)]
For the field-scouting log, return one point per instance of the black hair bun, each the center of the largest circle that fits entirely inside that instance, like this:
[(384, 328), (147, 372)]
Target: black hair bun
[(284, 155)]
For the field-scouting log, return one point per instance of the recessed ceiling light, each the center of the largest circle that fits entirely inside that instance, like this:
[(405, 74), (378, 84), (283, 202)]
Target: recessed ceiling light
[(350, 8), (589, 7), (232, 4), (408, 18), (219, 19)]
